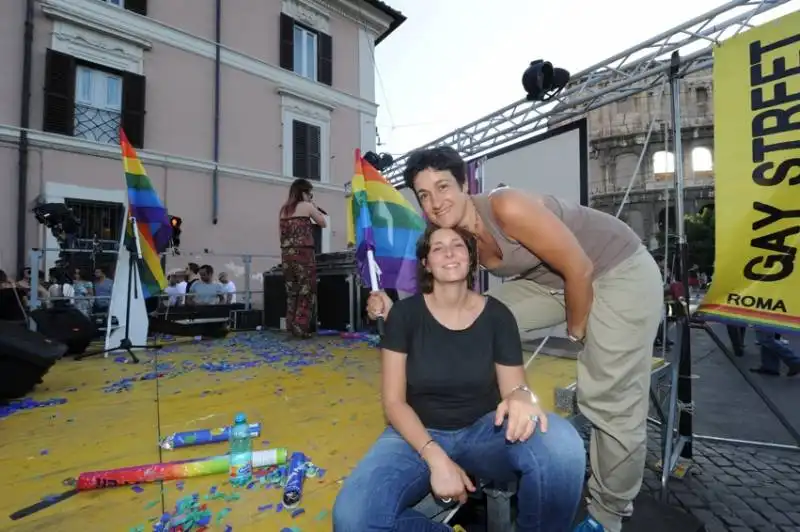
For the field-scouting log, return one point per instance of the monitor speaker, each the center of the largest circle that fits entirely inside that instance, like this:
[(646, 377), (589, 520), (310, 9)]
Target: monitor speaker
[(66, 325), (25, 357)]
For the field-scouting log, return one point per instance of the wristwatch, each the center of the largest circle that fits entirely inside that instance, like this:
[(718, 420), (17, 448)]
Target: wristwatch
[(574, 339)]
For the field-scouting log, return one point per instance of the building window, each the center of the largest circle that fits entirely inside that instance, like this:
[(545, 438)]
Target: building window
[(306, 51), (702, 160), (98, 105), (91, 101), (306, 150), (99, 232), (663, 165), (306, 137), (135, 6)]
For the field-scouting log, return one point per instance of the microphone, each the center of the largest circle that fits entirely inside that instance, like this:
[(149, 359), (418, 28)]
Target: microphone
[(320, 209)]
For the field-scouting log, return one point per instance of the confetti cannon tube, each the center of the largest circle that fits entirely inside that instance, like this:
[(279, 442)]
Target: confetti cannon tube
[(293, 491), (203, 437), (172, 470)]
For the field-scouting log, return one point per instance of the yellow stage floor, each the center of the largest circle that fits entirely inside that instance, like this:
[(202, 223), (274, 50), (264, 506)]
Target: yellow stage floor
[(319, 396)]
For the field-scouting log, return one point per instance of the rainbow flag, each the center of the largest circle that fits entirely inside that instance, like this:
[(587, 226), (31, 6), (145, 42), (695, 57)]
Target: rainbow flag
[(152, 220), (380, 219)]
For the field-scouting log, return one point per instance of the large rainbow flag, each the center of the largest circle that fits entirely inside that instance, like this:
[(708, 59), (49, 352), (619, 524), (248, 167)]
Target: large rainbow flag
[(152, 220), (380, 219)]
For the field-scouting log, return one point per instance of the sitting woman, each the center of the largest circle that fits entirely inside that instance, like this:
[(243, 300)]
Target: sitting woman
[(458, 408)]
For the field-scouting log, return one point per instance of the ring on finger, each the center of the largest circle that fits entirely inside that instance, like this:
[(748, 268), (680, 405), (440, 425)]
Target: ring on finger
[(535, 419)]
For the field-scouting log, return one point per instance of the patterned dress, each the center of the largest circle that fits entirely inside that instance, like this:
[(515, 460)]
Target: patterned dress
[(299, 273)]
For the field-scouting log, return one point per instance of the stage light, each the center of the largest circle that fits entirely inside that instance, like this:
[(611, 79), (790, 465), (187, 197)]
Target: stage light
[(61, 221), (175, 241), (542, 81), (379, 162)]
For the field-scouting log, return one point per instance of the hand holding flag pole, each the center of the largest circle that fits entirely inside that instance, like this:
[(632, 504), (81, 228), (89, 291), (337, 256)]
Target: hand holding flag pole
[(385, 229), (374, 276)]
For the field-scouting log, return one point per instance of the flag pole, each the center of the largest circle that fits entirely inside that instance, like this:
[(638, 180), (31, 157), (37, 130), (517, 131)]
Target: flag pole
[(374, 273)]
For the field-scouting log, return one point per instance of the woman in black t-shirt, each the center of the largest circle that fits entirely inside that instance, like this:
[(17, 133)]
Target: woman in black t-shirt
[(458, 406)]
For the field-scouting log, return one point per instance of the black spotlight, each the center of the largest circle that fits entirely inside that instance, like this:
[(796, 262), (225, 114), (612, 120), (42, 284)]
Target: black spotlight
[(542, 81), (379, 162)]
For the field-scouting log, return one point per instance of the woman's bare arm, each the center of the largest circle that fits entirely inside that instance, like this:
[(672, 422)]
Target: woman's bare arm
[(398, 412), (527, 220), (306, 208)]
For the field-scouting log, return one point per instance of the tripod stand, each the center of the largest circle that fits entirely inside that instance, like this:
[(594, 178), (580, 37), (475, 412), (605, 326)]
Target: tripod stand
[(134, 248)]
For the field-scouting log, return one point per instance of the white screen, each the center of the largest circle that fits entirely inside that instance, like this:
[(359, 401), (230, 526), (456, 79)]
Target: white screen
[(549, 166), (554, 163)]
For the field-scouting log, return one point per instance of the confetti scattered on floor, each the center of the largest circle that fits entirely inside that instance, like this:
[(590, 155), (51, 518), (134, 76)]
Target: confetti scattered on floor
[(27, 404), (238, 355)]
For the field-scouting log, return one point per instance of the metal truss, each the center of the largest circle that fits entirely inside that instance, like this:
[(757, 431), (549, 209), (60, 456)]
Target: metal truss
[(635, 70)]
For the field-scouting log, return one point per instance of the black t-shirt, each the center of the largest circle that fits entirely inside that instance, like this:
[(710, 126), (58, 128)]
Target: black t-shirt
[(450, 375)]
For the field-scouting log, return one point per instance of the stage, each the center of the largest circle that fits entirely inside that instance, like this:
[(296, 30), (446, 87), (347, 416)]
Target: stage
[(318, 396)]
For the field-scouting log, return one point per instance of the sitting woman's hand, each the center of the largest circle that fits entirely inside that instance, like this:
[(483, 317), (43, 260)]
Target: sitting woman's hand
[(449, 482), (378, 305), (523, 413)]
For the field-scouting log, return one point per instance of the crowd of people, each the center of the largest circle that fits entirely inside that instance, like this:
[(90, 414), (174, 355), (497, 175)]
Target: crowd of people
[(195, 285), (89, 293)]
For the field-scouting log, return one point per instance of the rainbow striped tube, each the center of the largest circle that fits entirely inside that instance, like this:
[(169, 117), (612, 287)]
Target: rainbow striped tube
[(126, 476)]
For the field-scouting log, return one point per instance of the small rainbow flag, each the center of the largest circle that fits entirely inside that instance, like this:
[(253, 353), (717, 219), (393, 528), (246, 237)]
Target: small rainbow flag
[(382, 220), (152, 220)]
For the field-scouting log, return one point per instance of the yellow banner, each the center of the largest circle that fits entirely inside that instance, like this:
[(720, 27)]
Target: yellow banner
[(757, 172)]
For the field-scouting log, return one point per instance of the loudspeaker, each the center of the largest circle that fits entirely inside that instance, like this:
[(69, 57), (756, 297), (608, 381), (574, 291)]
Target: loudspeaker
[(66, 325), (25, 357)]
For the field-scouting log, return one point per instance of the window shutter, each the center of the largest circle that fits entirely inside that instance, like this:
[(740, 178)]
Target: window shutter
[(59, 93), (314, 157), (137, 6), (325, 59), (133, 108), (299, 149), (287, 42)]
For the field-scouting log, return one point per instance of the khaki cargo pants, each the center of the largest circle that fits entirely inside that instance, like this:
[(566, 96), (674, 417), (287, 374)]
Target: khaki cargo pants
[(613, 372)]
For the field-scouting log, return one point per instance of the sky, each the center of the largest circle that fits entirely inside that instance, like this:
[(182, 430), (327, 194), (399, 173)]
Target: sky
[(454, 61)]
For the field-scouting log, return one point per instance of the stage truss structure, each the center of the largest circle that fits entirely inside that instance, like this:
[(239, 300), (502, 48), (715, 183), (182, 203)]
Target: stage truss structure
[(635, 70)]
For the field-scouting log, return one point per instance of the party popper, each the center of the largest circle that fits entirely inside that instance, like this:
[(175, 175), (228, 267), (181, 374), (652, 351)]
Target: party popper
[(203, 437), (293, 491), (172, 470)]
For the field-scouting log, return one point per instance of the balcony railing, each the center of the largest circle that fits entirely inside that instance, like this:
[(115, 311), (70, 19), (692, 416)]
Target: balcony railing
[(99, 125)]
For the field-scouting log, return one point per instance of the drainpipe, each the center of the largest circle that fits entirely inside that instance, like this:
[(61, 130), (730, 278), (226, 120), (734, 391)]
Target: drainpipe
[(217, 75), (24, 124)]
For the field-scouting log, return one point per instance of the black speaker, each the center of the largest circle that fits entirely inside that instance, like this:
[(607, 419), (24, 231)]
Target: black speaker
[(66, 325), (25, 357), (274, 300)]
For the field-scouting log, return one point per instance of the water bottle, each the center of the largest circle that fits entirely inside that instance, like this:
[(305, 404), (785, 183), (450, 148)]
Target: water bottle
[(241, 455)]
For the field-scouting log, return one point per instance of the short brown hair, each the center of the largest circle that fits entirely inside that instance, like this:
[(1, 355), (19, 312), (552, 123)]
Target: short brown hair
[(424, 277)]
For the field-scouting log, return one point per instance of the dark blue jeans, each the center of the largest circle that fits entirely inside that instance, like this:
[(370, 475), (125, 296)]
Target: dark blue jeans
[(774, 352), (391, 478)]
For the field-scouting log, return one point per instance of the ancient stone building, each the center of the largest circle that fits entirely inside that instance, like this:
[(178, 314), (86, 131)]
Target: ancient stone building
[(617, 135)]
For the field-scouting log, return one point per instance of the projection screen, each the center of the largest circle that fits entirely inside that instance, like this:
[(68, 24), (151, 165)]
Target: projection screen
[(554, 163)]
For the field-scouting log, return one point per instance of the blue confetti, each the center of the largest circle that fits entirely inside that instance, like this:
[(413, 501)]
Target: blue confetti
[(27, 404)]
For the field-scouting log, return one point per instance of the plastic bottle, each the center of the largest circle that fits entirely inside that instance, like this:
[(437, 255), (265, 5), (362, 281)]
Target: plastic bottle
[(241, 455)]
